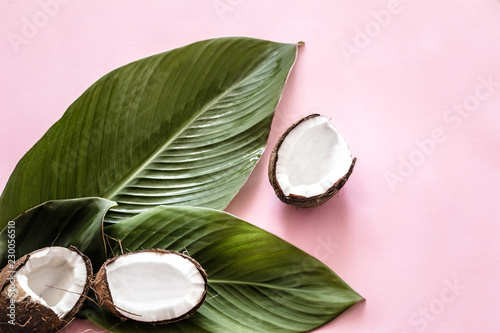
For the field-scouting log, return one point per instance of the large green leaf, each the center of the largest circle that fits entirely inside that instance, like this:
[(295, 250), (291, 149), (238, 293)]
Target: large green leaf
[(185, 127), (257, 282), (76, 222)]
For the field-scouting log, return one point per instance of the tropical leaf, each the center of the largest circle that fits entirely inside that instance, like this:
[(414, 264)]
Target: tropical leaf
[(76, 222), (257, 282), (185, 127)]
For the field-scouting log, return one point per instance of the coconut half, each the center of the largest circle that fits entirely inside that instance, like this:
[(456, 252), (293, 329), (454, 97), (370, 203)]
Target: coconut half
[(310, 162), (46, 287), (155, 286)]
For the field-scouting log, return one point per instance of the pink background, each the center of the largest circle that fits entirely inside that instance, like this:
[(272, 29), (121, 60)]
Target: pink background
[(413, 86)]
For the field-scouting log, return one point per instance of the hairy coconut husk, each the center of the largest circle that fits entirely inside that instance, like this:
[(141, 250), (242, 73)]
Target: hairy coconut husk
[(105, 298), (298, 200), (32, 316)]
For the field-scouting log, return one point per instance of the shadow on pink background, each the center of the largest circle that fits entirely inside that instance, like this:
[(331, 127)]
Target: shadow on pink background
[(413, 86)]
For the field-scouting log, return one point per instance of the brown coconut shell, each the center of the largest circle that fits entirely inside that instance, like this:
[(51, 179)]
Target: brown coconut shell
[(31, 316), (105, 298), (298, 200)]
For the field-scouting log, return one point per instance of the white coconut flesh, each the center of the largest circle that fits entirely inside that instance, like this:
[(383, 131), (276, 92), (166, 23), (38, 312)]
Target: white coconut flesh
[(312, 158), (55, 277), (153, 287)]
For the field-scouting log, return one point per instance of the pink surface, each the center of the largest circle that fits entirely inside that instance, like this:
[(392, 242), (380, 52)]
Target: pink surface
[(413, 86)]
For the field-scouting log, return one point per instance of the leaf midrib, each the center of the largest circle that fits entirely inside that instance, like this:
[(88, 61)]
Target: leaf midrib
[(252, 284), (110, 194)]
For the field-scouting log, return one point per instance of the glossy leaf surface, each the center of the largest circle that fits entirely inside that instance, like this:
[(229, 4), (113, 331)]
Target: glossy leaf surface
[(184, 127), (257, 282), (76, 222)]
